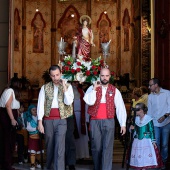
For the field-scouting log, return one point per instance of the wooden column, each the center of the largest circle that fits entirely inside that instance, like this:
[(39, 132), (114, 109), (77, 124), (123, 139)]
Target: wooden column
[(145, 43), (24, 38), (162, 42), (118, 38), (136, 48), (89, 8), (54, 57)]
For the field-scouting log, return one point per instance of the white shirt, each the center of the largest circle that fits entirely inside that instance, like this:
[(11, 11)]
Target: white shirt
[(158, 105), (5, 97), (68, 100), (90, 99)]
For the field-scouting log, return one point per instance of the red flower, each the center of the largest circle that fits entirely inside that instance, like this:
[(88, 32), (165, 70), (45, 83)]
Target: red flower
[(93, 67), (99, 68), (95, 72), (67, 68), (87, 73), (112, 73), (72, 70), (78, 69), (79, 63), (101, 62), (68, 62)]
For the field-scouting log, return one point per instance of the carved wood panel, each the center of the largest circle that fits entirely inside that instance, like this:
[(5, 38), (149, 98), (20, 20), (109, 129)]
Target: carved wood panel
[(162, 42)]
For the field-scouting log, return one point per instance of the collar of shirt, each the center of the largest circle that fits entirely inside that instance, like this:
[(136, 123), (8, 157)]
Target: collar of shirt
[(103, 99)]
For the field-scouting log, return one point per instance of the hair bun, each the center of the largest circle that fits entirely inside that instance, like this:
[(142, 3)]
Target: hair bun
[(145, 109)]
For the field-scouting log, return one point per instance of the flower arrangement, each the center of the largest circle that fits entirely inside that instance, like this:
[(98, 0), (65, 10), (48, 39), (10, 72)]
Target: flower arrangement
[(80, 70)]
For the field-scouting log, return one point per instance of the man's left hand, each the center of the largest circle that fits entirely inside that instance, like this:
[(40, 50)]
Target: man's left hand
[(123, 130)]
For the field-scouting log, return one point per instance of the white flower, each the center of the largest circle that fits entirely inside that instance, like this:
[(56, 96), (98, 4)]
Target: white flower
[(87, 64), (75, 66), (67, 57), (80, 77), (80, 58)]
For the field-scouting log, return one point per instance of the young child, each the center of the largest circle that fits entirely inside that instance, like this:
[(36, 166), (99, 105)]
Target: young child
[(22, 137), (34, 140), (144, 153)]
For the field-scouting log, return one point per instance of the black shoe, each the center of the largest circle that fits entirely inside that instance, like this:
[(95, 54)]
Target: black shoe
[(72, 167)]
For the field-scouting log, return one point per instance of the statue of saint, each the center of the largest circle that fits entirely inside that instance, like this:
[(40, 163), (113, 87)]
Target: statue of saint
[(84, 38)]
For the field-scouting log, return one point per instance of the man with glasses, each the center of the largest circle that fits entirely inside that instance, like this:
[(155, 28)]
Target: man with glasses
[(159, 110)]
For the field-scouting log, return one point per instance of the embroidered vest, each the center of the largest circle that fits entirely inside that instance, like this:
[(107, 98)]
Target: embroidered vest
[(110, 107), (65, 110)]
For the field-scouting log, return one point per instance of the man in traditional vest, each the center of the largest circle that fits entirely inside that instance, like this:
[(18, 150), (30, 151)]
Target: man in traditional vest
[(102, 99), (54, 106)]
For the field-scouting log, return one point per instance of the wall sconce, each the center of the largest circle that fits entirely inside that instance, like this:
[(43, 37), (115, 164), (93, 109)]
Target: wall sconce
[(105, 12)]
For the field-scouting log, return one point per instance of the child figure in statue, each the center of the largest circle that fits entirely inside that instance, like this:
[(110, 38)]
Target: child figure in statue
[(84, 38)]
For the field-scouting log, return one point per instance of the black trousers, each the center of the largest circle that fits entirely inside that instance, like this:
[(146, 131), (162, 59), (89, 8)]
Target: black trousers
[(9, 138)]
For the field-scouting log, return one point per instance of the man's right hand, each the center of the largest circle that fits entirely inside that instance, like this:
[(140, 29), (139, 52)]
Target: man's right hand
[(40, 126), (96, 84)]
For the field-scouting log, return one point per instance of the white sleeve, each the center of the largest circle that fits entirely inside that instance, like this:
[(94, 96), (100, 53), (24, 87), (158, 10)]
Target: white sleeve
[(5, 97), (120, 108), (40, 105), (69, 96), (90, 96), (30, 128)]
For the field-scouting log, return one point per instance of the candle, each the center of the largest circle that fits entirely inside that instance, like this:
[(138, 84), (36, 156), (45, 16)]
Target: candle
[(61, 39), (109, 42)]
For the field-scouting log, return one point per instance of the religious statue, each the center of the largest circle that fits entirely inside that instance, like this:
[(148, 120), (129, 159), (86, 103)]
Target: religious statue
[(38, 46), (84, 38)]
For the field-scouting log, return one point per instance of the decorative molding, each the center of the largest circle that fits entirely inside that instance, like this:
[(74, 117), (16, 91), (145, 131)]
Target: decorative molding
[(100, 18), (16, 13), (53, 29), (65, 12), (38, 13), (118, 27), (145, 43)]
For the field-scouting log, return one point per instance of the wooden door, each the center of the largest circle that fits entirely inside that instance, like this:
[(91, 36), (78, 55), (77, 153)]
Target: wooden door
[(162, 42)]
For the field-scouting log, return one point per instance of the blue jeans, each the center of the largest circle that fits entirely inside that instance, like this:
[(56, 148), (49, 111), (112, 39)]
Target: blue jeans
[(162, 139)]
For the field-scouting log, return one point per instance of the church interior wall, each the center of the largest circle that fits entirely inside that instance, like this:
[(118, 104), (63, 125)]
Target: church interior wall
[(17, 32), (126, 36), (109, 26)]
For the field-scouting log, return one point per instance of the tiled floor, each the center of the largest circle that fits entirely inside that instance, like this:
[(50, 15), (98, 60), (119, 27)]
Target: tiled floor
[(78, 167)]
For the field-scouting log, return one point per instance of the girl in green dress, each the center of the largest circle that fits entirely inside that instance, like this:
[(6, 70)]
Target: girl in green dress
[(144, 153)]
